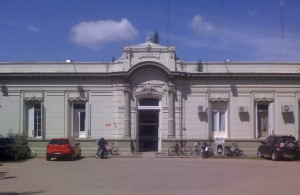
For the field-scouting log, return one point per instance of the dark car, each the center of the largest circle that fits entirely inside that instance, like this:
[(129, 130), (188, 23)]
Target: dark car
[(14, 147), (63, 148), (278, 146)]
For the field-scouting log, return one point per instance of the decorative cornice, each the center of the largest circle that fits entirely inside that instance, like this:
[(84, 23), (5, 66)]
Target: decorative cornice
[(172, 50), (78, 99), (171, 89), (264, 97), (126, 89), (148, 88), (33, 99), (219, 97)]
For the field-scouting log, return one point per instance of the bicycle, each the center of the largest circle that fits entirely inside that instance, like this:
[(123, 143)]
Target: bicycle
[(113, 150), (177, 150)]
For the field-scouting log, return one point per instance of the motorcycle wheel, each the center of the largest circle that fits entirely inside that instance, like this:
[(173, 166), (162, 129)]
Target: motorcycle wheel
[(204, 155), (226, 153), (102, 154), (242, 154)]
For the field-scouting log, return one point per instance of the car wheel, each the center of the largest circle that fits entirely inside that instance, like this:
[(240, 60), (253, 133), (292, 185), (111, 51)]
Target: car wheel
[(48, 158), (15, 156), (294, 158), (274, 156), (72, 156), (259, 154), (28, 155)]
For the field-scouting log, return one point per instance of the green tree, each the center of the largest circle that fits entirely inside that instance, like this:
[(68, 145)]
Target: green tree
[(156, 37)]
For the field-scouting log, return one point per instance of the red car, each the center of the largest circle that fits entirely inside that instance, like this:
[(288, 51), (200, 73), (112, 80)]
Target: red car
[(63, 148)]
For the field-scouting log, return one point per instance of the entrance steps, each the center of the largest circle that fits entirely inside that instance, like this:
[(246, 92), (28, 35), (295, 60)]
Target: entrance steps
[(152, 154)]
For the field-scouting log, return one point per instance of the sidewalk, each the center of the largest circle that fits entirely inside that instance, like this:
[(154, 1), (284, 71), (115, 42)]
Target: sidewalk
[(165, 155)]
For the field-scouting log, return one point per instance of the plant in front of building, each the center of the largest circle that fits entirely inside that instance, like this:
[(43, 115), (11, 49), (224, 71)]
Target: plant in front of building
[(199, 66), (156, 37)]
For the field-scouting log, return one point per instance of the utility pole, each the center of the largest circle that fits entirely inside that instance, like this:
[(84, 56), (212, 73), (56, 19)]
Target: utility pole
[(282, 28)]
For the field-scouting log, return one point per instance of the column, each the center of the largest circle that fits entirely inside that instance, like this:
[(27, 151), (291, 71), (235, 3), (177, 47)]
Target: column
[(127, 116), (23, 129), (171, 116)]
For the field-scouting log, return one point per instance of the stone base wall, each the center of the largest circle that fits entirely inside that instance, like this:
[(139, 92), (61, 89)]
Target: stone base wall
[(128, 147)]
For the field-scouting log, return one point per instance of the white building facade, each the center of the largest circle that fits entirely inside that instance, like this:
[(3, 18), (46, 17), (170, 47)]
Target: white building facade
[(148, 99)]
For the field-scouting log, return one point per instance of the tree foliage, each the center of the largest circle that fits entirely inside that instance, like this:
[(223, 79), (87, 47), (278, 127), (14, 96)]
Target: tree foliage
[(156, 37)]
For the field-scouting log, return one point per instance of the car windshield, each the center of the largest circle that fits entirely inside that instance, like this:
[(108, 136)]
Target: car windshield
[(59, 141), (285, 139), (5, 141)]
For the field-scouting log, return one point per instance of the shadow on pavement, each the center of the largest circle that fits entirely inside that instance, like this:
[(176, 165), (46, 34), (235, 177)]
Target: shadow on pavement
[(65, 159), (21, 193)]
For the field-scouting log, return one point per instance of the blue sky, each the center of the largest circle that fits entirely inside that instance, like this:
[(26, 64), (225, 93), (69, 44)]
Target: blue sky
[(97, 30)]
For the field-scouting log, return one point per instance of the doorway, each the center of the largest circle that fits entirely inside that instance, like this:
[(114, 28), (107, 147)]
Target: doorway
[(148, 123), (79, 117), (263, 120)]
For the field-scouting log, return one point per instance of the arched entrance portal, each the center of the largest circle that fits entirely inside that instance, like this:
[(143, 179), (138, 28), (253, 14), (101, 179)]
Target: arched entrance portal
[(148, 124)]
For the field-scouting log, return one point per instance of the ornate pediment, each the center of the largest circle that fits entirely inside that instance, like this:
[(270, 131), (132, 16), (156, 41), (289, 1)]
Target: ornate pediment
[(78, 96), (33, 96), (149, 51), (148, 88), (264, 97), (219, 97)]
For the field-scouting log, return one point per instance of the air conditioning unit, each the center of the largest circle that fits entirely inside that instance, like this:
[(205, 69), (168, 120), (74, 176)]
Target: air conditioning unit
[(287, 108), (243, 109), (201, 109)]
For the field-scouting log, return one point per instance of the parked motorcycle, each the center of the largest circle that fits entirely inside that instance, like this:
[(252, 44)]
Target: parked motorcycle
[(207, 150), (198, 149), (103, 153), (108, 149), (233, 151)]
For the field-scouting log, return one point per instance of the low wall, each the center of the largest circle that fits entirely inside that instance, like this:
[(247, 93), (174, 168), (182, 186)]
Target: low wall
[(127, 146)]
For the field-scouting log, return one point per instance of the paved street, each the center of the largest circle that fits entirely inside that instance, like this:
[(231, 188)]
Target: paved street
[(130, 176)]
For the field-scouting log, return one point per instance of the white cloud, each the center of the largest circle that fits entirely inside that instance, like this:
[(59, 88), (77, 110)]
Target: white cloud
[(264, 45), (33, 28), (242, 42), (252, 14), (199, 25), (95, 34), (275, 49), (9, 22)]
